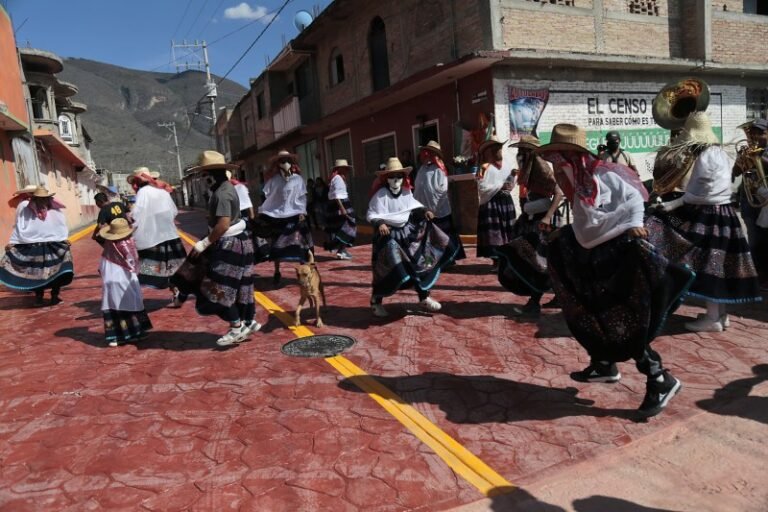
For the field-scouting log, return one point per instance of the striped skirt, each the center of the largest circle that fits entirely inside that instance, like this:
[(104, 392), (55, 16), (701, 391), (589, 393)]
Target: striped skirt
[(523, 261), (449, 228), (341, 229), (288, 239), (160, 262), (219, 278), (124, 326), (494, 224), (710, 240), (32, 267), (617, 296), (411, 256)]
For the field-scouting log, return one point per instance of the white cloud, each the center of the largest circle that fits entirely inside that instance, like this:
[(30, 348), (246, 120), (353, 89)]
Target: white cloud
[(246, 12)]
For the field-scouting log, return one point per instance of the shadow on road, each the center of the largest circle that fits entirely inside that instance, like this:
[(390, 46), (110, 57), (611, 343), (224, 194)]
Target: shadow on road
[(515, 499), (733, 399), (162, 340), (487, 399)]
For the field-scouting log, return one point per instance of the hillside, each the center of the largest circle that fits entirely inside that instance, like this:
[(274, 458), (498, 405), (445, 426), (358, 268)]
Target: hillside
[(125, 105)]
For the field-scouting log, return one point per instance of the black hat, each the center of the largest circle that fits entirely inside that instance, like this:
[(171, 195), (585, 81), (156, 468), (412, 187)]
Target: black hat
[(760, 124), (612, 135)]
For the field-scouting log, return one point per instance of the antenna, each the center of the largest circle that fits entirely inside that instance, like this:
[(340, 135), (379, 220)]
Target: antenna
[(301, 20)]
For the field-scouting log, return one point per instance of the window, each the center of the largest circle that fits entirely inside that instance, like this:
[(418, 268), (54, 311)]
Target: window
[(568, 3), (757, 103), (308, 160), (39, 102), (247, 124), (423, 133), (338, 146), (378, 151), (377, 45), (304, 80), (755, 7), (647, 7), (260, 111), (337, 67), (65, 129)]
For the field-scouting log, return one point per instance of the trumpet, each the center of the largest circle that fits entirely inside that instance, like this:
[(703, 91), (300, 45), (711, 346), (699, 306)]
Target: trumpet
[(749, 164)]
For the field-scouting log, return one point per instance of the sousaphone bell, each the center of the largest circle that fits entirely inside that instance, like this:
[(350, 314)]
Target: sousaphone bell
[(677, 100)]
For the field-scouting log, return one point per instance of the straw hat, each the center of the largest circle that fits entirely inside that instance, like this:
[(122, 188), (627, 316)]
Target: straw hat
[(117, 230), (527, 142), (26, 190), (42, 192), (394, 166), (154, 174), (211, 160), (341, 163), (566, 137), (493, 141), (697, 129), (140, 174), (434, 147), (284, 153)]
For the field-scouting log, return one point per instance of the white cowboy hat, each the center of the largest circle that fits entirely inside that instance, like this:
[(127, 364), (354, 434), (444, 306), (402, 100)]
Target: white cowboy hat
[(211, 160), (26, 190), (434, 147), (341, 163), (42, 192), (394, 166), (284, 153), (493, 141), (142, 174)]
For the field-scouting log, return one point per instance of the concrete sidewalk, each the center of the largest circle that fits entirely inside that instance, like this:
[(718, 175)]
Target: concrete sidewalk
[(173, 423)]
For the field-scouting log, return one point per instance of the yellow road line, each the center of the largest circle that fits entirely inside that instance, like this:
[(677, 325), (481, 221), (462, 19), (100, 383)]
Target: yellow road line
[(461, 460), (74, 237)]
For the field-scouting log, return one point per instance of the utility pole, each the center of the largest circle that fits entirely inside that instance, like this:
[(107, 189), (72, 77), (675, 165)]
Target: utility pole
[(210, 85), (172, 128)]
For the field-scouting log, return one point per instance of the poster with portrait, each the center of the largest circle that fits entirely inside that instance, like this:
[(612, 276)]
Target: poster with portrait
[(525, 108)]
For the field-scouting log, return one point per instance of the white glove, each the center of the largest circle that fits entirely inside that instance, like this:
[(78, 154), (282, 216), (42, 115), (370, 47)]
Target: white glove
[(202, 245)]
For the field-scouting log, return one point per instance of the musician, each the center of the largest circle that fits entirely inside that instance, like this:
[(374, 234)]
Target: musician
[(614, 153), (755, 219), (701, 228)]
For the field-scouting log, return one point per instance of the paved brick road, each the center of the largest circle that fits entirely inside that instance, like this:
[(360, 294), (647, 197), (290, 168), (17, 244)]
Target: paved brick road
[(174, 424)]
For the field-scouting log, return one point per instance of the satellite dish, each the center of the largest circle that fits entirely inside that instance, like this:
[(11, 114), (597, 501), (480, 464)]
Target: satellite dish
[(302, 20)]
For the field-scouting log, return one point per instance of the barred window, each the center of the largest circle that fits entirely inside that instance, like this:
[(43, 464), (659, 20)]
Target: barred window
[(648, 7), (568, 3), (757, 103)]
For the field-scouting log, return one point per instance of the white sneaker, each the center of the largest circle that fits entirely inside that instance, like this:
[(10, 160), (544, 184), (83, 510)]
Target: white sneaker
[(431, 304), (234, 335), (379, 311), (343, 255), (251, 328), (724, 320), (705, 325)]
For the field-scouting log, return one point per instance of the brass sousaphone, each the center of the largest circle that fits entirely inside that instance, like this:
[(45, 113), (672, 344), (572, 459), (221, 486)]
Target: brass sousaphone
[(671, 107), (749, 164)]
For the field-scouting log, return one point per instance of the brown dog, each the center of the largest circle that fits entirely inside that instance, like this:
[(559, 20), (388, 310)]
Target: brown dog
[(311, 288)]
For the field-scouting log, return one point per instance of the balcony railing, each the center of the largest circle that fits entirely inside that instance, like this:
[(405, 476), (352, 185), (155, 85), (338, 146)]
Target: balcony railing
[(287, 117)]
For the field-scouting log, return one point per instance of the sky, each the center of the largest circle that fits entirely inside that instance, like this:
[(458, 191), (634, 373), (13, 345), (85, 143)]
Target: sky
[(137, 33)]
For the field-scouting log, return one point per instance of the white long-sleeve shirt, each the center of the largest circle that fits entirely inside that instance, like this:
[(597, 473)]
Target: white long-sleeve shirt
[(431, 190)]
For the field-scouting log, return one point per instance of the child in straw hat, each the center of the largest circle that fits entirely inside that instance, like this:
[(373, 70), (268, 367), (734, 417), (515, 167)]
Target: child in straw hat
[(122, 303)]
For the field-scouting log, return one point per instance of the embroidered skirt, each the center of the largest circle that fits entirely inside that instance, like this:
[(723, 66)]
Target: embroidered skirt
[(447, 226), (523, 261), (341, 229), (37, 266), (221, 277), (160, 262), (412, 255), (615, 297), (494, 224), (710, 240), (288, 239), (124, 326)]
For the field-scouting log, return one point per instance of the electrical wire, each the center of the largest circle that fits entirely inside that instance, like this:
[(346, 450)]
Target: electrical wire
[(213, 14), (182, 19), (202, 7)]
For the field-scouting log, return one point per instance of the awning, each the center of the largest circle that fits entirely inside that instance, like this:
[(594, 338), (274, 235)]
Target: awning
[(61, 149), (9, 122)]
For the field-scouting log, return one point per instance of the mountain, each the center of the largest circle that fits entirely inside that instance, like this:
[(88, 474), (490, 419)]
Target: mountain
[(126, 105)]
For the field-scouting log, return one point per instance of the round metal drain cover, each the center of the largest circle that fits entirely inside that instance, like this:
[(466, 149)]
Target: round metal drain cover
[(322, 345)]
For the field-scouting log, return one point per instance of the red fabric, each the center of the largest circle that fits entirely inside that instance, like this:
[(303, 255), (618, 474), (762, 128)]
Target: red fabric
[(157, 183), (42, 211), (122, 252), (428, 157)]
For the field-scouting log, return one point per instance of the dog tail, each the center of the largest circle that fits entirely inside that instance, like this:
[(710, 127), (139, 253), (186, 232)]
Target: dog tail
[(311, 259)]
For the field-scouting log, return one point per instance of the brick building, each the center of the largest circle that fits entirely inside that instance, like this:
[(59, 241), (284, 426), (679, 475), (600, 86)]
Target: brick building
[(368, 80)]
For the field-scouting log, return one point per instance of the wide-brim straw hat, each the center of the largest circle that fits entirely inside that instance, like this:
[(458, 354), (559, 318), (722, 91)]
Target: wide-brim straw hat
[(284, 153), (434, 147), (698, 130), (42, 192), (493, 141), (527, 142), (341, 163), (141, 174), (26, 190), (117, 230), (566, 137), (394, 166), (210, 160), (154, 174)]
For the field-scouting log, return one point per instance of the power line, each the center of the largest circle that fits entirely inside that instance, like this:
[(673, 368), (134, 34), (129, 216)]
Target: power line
[(242, 56), (202, 7), (213, 14), (182, 19)]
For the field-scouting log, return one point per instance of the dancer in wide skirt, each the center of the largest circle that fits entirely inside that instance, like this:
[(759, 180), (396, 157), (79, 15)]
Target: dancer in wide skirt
[(496, 215), (340, 223)]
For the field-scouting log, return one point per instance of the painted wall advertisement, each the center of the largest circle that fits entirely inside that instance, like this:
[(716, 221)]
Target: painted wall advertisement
[(627, 112)]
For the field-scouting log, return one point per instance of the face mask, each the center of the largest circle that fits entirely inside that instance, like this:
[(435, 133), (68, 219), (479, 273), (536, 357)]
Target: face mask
[(210, 181), (395, 184), (613, 145), (286, 166)]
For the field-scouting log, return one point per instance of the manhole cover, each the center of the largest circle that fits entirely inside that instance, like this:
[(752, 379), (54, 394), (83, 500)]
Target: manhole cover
[(322, 345)]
